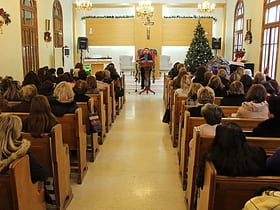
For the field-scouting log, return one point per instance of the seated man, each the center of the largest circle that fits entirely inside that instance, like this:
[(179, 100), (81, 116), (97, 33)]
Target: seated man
[(144, 57)]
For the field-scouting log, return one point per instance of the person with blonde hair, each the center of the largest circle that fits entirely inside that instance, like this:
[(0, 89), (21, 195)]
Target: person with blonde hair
[(176, 83), (235, 95), (222, 73), (192, 93), (26, 93), (63, 101), (185, 85), (12, 147), (204, 95), (216, 84)]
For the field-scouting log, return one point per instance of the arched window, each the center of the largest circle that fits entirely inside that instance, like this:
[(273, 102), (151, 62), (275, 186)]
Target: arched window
[(238, 27), (29, 34), (270, 36), (57, 24)]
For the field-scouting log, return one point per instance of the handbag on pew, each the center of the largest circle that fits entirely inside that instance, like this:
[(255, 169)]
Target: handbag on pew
[(166, 116), (95, 123)]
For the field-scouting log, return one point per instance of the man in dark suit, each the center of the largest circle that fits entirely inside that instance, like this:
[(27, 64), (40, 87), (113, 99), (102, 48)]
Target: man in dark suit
[(146, 56)]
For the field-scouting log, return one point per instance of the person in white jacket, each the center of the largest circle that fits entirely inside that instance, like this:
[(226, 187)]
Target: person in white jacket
[(255, 105)]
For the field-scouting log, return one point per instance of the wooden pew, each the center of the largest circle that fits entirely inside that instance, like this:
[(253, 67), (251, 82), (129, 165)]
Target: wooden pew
[(107, 100), (218, 100), (100, 108), (54, 156), (74, 134), (247, 124), (175, 114), (93, 146), (166, 81), (17, 192), (170, 104), (200, 145), (229, 193), (227, 110), (113, 96)]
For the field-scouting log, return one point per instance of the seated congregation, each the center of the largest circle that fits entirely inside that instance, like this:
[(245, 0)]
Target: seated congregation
[(52, 124), (240, 117)]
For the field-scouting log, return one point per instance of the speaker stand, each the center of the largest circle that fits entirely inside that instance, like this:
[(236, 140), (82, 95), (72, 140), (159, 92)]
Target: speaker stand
[(81, 55)]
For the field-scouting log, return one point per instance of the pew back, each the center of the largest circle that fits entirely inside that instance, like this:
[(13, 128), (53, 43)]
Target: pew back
[(229, 193), (17, 192), (54, 156), (199, 146)]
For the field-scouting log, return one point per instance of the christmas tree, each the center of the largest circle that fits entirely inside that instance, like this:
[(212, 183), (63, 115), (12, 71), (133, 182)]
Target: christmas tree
[(199, 52)]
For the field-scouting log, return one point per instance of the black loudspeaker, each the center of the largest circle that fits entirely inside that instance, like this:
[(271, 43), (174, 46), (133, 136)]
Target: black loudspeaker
[(82, 43), (216, 43)]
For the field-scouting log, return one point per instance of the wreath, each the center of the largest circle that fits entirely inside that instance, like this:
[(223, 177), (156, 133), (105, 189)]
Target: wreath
[(5, 17)]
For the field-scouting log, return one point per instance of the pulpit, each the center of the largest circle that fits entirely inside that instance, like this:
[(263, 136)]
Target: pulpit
[(148, 66)]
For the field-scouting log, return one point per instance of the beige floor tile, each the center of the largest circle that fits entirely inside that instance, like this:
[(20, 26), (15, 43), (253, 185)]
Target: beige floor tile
[(137, 166)]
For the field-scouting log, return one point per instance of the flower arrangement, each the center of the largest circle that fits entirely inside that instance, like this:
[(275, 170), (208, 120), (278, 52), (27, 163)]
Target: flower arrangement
[(239, 54), (4, 17)]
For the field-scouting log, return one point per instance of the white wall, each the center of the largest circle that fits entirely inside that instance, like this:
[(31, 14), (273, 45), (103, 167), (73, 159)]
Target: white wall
[(10, 40), (112, 51)]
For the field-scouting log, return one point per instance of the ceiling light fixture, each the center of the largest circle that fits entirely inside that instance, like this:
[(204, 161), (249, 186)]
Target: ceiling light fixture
[(206, 7), (84, 5)]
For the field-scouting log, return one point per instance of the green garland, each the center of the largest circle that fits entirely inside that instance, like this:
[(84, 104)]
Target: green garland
[(194, 16), (131, 16), (109, 16)]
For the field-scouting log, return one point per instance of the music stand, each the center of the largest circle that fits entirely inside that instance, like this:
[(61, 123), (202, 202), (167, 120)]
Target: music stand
[(147, 65)]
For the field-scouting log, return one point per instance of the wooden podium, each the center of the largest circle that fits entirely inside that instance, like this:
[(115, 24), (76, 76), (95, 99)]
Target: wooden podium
[(147, 65)]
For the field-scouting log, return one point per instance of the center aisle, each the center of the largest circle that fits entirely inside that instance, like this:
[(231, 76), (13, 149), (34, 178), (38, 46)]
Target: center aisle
[(137, 166)]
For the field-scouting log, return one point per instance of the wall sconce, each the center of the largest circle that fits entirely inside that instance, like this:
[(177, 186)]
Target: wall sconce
[(90, 31), (248, 24), (47, 24)]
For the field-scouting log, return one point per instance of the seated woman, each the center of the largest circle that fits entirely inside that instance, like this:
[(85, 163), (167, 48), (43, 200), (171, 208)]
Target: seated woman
[(232, 155), (216, 84), (63, 101), (12, 147), (26, 92), (270, 127), (185, 85), (192, 94), (80, 90), (12, 93), (212, 114), (235, 95), (255, 105), (176, 82), (92, 85), (40, 111), (46, 89), (204, 95), (222, 73)]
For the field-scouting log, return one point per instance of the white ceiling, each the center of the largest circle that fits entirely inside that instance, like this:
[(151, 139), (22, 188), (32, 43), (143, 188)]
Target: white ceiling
[(153, 1)]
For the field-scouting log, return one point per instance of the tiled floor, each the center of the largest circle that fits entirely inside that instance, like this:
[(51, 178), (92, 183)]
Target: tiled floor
[(137, 167)]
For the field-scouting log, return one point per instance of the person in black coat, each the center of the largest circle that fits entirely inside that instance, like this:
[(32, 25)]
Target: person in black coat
[(204, 95), (80, 90), (271, 126), (63, 101), (235, 95), (146, 56)]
